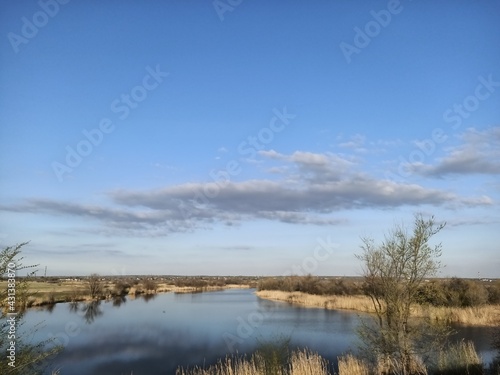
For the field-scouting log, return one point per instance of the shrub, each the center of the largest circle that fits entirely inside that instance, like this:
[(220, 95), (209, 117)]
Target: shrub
[(150, 284), (30, 359), (494, 292), (190, 282), (271, 284), (337, 287), (309, 284), (433, 293), (120, 288), (466, 293)]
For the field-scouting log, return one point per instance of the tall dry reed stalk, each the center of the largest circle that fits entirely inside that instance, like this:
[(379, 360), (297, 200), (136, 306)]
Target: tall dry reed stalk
[(228, 366), (302, 362), (389, 365), (305, 362), (460, 358), (350, 365)]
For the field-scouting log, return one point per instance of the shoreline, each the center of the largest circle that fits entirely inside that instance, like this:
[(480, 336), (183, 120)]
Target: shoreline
[(482, 316), (46, 294)]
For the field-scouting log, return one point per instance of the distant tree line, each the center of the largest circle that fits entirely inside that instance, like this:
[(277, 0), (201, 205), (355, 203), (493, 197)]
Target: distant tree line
[(454, 292)]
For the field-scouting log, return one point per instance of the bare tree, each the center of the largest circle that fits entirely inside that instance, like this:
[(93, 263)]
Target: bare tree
[(393, 273), (95, 286)]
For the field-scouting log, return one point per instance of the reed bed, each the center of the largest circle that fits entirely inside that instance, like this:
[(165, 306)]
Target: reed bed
[(359, 303), (460, 358), (486, 315), (228, 366), (457, 359), (350, 365), (305, 362), (302, 362)]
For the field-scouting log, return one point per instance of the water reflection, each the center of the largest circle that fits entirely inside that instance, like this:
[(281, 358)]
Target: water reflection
[(119, 300), (73, 307), (122, 353), (148, 297), (91, 311), (49, 307), (124, 335)]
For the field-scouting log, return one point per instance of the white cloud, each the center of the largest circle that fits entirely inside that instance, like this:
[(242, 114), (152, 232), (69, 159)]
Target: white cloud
[(479, 153), (312, 190)]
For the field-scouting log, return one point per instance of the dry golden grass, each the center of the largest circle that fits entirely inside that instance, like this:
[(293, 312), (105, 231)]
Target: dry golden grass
[(460, 357), (229, 366), (45, 293), (42, 293), (190, 289), (350, 365), (388, 365), (302, 362), (305, 362), (487, 315), (359, 303)]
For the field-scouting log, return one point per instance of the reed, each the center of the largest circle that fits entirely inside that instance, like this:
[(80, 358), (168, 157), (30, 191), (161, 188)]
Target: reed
[(350, 365), (460, 358), (486, 315), (228, 366), (359, 303), (305, 362), (302, 362), (389, 365)]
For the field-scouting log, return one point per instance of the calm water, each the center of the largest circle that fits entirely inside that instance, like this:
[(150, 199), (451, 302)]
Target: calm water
[(156, 336)]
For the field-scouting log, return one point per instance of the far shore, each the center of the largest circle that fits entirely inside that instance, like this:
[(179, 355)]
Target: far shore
[(43, 293), (486, 315)]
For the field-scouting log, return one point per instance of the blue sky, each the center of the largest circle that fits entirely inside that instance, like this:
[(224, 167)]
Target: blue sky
[(247, 137)]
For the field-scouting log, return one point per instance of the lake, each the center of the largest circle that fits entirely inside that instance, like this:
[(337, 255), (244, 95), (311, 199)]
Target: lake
[(156, 334)]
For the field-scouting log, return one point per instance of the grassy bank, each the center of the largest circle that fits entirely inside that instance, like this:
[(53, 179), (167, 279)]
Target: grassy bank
[(486, 315), (43, 293)]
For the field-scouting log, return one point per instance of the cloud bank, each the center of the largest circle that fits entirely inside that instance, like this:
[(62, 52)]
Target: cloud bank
[(308, 188), (479, 153)]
